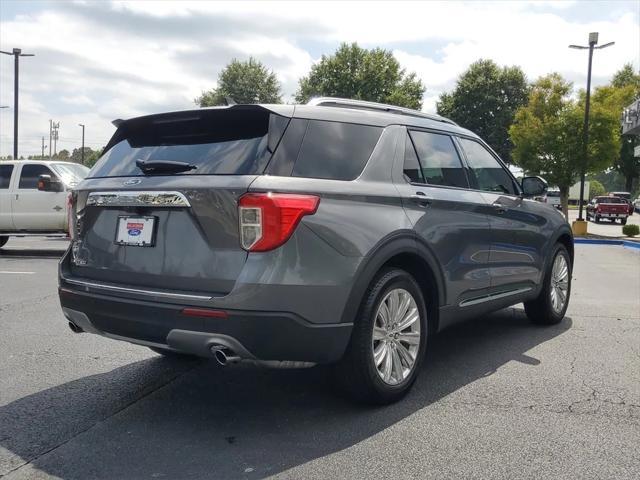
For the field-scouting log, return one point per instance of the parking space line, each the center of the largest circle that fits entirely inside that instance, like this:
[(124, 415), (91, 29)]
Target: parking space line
[(18, 273)]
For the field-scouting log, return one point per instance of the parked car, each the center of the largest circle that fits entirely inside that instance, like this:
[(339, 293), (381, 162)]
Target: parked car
[(553, 198), (339, 232), (626, 197), (636, 204), (611, 208), (34, 196)]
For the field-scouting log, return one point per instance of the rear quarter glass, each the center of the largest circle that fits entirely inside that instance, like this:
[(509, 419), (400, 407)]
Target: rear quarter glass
[(217, 142)]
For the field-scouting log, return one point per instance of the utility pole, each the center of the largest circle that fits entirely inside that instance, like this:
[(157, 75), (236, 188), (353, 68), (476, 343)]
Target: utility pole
[(56, 126), (593, 41), (50, 135), (43, 147), (82, 151), (17, 53)]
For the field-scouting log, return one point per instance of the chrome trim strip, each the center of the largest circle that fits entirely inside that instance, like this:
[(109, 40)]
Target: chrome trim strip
[(139, 291), (148, 198), (488, 298)]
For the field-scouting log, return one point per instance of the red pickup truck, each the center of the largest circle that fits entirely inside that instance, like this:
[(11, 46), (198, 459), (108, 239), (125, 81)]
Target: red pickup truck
[(611, 208)]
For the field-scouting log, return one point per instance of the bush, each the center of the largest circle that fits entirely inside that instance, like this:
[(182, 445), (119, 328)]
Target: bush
[(631, 230)]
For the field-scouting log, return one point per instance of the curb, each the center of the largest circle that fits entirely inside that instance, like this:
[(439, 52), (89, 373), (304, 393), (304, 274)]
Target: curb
[(601, 241)]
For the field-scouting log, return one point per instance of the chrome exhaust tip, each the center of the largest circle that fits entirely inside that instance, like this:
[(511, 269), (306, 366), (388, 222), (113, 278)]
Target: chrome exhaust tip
[(223, 355), (74, 328)]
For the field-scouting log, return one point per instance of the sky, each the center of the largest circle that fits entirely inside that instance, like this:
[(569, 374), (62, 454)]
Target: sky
[(96, 61)]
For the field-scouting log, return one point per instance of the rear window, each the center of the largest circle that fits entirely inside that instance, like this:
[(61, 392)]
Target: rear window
[(609, 200), (334, 150), (5, 175), (235, 141)]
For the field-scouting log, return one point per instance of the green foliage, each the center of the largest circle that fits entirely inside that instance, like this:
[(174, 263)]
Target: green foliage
[(596, 189), (631, 230), (485, 100), (243, 82), (62, 155), (92, 158), (547, 134), (357, 73), (76, 155), (623, 90)]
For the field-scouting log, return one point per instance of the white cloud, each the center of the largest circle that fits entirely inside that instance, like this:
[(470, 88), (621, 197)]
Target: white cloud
[(98, 61)]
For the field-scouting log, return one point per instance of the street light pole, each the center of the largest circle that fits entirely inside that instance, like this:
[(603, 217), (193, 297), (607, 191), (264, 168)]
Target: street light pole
[(17, 53), (82, 151), (593, 41)]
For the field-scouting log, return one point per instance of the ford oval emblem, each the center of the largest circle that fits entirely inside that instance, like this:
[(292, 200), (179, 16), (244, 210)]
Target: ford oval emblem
[(134, 232), (132, 181)]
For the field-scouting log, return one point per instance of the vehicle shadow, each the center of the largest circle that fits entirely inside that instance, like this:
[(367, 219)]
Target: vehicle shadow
[(238, 422)]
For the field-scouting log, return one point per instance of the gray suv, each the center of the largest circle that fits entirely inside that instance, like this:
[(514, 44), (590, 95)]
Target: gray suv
[(339, 232)]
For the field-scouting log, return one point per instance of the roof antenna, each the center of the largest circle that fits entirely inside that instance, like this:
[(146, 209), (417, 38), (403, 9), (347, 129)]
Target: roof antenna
[(230, 101)]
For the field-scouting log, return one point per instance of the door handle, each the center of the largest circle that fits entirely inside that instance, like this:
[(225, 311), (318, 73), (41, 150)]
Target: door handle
[(420, 199), (499, 208)]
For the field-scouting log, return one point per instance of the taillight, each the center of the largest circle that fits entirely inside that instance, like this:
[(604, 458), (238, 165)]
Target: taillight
[(267, 220), (71, 215)]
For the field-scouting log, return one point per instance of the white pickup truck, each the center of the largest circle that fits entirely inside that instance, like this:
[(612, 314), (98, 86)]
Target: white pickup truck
[(33, 196)]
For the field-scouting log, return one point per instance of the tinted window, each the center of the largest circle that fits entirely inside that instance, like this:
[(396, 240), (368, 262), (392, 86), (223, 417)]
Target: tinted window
[(411, 170), (489, 174), (236, 141), (334, 150), (30, 173), (5, 175), (439, 159)]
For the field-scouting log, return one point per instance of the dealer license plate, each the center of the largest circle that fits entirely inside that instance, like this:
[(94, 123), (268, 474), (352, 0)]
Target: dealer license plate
[(136, 231)]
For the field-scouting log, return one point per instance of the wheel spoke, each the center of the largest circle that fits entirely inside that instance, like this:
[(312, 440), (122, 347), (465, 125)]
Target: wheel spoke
[(379, 333), (412, 338), (405, 302), (397, 365), (383, 314), (405, 355), (380, 353), (386, 369), (409, 319)]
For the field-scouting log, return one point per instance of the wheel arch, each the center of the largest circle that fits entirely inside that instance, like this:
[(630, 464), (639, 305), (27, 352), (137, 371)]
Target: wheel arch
[(401, 251)]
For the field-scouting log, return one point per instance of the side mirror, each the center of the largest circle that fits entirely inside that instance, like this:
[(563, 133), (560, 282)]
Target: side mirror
[(534, 186), (46, 184)]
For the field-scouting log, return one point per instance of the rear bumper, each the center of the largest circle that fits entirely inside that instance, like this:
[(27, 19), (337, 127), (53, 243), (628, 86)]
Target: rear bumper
[(252, 334)]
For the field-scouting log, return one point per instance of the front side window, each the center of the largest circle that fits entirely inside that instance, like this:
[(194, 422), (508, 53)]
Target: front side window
[(490, 176), (411, 170), (30, 173), (439, 160), (5, 175)]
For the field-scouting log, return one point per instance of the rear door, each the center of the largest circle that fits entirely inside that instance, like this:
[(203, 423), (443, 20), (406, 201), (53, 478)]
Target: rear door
[(6, 222), (173, 230), (447, 216), (519, 226), (32, 209)]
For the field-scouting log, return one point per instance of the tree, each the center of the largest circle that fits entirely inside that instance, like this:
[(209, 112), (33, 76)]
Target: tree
[(62, 155), (243, 82), (76, 155), (357, 73), (547, 135), (93, 157), (485, 100), (596, 189), (623, 90)]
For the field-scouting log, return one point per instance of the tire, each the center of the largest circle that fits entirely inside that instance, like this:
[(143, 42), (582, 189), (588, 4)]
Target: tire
[(172, 354), (542, 310), (3, 241), (597, 218), (623, 221), (357, 372)]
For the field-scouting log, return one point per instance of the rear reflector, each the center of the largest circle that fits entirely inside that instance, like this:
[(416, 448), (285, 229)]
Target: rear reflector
[(203, 312), (267, 220)]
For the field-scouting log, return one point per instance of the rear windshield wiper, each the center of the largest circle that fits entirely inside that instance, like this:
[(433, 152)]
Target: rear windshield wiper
[(158, 167)]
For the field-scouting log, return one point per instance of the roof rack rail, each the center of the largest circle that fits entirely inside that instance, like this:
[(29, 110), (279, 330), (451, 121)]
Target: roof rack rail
[(380, 107)]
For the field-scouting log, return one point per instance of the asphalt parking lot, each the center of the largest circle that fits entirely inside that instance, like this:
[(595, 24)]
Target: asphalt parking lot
[(498, 398)]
